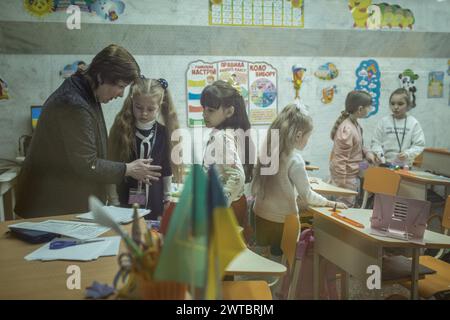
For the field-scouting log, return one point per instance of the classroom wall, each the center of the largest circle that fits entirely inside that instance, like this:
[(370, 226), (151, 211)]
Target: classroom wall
[(32, 77)]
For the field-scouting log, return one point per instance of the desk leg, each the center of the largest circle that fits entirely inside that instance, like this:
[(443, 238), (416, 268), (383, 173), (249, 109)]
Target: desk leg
[(344, 285), (316, 275), (2, 210), (415, 274)]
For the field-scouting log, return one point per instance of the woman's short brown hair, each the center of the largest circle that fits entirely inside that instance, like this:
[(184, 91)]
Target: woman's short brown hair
[(114, 63)]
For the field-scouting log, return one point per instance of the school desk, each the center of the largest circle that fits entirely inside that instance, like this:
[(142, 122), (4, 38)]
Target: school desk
[(326, 189), (354, 249), (413, 184), (7, 197), (21, 279)]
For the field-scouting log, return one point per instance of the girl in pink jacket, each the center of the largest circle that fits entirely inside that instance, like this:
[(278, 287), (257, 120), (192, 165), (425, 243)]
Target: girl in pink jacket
[(348, 150)]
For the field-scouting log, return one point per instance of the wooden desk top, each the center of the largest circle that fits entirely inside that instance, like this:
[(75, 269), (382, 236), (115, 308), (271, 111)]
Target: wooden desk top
[(432, 239), (319, 186), (21, 279), (423, 177)]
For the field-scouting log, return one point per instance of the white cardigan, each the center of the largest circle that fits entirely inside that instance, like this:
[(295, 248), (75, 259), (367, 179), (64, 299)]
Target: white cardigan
[(222, 150), (279, 197)]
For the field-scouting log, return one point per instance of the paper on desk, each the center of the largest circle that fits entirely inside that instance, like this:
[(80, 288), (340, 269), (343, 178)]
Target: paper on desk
[(73, 229), (119, 215), (81, 252)]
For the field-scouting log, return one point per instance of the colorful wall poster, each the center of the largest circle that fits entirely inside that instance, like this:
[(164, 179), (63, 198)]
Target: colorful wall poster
[(298, 74), (3, 90), (368, 79), (327, 71), (109, 10), (436, 84), (70, 69), (368, 15), (407, 79), (198, 75), (327, 94), (237, 71), (258, 82), (263, 107), (264, 13)]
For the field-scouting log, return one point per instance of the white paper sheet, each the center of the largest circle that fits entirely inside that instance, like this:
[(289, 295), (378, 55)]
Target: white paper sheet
[(73, 229), (119, 215), (81, 252)]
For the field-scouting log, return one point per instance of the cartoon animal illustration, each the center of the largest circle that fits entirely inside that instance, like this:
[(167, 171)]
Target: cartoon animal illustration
[(380, 15), (359, 12), (407, 78), (39, 8), (328, 94)]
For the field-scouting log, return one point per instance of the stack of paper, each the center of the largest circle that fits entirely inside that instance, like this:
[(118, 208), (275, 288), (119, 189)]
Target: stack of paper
[(80, 252), (119, 215), (73, 229)]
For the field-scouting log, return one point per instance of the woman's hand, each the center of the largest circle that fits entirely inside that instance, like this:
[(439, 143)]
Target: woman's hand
[(142, 170)]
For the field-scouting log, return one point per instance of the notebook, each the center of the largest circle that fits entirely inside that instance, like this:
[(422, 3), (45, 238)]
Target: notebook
[(399, 217)]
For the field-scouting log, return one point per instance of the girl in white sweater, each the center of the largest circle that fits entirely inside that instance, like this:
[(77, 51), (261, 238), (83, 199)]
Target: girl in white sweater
[(398, 138), (276, 194)]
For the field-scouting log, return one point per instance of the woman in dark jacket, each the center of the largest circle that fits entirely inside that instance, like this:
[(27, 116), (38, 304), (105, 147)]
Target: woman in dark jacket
[(67, 159)]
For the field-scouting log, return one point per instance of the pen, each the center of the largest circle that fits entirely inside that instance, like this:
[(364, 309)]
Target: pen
[(60, 244), (348, 220)]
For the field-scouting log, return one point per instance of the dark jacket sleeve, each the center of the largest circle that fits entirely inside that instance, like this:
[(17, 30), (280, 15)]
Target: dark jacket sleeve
[(81, 146)]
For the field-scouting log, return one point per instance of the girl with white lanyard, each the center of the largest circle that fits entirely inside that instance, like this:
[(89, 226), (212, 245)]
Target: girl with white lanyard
[(142, 129)]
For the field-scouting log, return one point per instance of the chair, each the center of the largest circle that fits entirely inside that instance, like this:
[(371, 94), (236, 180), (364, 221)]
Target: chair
[(440, 281), (246, 290), (259, 289), (380, 180)]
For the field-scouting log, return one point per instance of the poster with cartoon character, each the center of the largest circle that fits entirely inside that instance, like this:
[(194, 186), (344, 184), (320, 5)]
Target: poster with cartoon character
[(3, 90), (368, 15), (108, 9), (235, 71), (368, 77), (263, 96), (407, 80), (436, 84)]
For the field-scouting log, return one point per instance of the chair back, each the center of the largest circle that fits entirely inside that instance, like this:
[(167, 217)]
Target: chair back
[(381, 180), (289, 239)]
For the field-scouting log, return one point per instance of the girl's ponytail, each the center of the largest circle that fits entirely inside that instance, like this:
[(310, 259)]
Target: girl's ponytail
[(344, 115)]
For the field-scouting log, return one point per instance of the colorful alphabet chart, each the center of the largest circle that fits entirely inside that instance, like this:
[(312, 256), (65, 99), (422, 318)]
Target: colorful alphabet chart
[(257, 82), (264, 13)]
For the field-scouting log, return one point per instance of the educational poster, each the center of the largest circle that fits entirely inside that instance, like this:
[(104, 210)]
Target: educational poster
[(436, 84), (198, 75), (263, 106), (368, 15), (258, 82), (70, 69), (238, 72), (263, 13), (3, 89), (368, 79), (407, 79), (108, 9)]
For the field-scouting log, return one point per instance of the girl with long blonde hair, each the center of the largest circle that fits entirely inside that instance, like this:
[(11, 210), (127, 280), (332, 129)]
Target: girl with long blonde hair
[(142, 130)]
